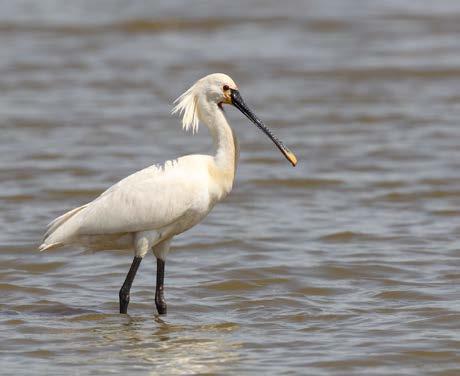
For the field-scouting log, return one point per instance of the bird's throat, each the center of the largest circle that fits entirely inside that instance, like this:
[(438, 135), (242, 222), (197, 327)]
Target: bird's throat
[(225, 144), (226, 151)]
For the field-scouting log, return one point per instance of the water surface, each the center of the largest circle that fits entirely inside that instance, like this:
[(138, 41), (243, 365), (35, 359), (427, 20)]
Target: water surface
[(347, 264)]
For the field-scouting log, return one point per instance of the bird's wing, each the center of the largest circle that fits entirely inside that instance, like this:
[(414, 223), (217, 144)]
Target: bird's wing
[(146, 200), (149, 199)]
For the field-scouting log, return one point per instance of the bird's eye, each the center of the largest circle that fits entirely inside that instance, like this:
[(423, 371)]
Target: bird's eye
[(226, 87)]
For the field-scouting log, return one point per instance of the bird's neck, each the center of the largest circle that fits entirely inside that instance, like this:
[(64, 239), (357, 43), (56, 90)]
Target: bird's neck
[(225, 143)]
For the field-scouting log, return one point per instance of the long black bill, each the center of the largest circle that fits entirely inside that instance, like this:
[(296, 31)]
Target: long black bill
[(238, 102)]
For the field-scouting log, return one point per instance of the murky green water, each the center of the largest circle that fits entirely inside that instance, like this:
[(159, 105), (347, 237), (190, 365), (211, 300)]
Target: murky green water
[(346, 265)]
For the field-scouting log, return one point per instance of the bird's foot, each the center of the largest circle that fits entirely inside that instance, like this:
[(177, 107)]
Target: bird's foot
[(161, 306), (124, 301)]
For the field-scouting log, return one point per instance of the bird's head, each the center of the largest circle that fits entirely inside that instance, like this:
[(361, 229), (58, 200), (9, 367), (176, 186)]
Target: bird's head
[(218, 89)]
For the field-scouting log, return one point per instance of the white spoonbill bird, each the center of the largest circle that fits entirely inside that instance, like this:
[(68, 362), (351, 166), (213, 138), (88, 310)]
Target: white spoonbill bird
[(148, 208)]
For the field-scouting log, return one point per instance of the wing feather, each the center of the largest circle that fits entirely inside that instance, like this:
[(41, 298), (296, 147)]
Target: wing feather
[(149, 199), (146, 200)]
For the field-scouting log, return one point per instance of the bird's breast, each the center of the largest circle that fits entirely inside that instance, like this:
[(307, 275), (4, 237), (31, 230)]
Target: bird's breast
[(220, 182)]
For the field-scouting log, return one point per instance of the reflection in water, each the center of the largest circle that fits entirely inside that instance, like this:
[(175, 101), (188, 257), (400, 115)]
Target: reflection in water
[(154, 344)]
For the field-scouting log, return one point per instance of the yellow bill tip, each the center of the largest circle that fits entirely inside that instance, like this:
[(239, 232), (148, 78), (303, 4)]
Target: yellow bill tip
[(291, 157)]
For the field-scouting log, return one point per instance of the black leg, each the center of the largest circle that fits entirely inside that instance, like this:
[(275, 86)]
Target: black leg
[(159, 292), (124, 291)]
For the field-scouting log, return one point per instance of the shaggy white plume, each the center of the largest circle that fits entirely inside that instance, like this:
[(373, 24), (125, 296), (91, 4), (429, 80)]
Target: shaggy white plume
[(187, 107)]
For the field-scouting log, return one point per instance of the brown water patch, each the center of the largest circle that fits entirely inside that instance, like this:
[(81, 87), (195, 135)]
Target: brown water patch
[(381, 73), (44, 156), (51, 308), (72, 193), (233, 286), (349, 236), (220, 327), (19, 198), (438, 355), (140, 25), (34, 268), (317, 291), (40, 354), (262, 161), (297, 183), (414, 196), (350, 364), (390, 184), (446, 213), (257, 272), (6, 287), (405, 295), (356, 271), (440, 182), (89, 317), (76, 171), (231, 244)]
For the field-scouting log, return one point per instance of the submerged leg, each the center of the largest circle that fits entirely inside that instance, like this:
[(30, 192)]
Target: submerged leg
[(124, 291), (159, 291)]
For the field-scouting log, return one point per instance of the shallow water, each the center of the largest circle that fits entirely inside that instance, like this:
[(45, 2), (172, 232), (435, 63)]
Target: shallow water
[(347, 264)]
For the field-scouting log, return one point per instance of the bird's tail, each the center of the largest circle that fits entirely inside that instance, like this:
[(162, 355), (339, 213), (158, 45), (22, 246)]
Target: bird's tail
[(45, 246), (58, 231)]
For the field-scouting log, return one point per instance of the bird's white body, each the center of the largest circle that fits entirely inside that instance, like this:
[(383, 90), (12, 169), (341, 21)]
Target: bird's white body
[(146, 209)]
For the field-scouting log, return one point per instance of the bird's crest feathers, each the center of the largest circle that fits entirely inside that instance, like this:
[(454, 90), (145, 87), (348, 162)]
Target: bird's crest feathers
[(187, 107)]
